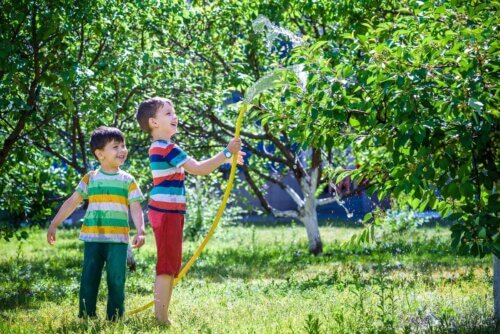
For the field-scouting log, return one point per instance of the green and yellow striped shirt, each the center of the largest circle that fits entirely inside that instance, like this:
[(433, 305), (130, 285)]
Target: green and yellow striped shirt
[(109, 195)]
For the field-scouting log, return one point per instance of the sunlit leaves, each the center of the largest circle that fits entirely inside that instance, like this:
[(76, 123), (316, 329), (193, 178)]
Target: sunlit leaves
[(415, 94)]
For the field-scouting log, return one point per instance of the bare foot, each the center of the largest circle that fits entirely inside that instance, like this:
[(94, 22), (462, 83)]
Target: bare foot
[(166, 323)]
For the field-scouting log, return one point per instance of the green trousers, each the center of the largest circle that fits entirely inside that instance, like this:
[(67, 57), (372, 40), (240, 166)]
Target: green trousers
[(96, 254)]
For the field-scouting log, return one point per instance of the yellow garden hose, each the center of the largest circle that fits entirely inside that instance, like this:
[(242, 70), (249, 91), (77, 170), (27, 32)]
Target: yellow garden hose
[(222, 206)]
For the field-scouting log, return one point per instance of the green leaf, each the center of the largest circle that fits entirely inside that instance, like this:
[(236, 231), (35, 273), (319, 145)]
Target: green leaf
[(476, 105), (482, 233), (415, 203), (354, 122), (467, 189), (451, 190), (443, 163), (317, 45), (371, 79)]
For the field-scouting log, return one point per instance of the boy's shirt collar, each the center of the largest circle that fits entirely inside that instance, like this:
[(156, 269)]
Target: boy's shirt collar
[(162, 141), (99, 170)]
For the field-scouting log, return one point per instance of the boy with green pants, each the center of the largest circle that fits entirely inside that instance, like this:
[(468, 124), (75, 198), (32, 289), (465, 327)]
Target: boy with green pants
[(105, 229)]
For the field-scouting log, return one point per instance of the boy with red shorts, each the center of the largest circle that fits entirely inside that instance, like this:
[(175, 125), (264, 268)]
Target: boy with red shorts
[(167, 204)]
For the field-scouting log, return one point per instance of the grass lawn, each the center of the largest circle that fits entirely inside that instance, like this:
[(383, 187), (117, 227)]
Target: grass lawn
[(262, 280)]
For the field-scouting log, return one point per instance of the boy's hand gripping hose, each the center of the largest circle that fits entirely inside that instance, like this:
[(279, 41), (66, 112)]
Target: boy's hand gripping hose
[(222, 206)]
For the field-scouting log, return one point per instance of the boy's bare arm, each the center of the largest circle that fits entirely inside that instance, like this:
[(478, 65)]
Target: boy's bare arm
[(138, 219), (205, 167), (64, 212)]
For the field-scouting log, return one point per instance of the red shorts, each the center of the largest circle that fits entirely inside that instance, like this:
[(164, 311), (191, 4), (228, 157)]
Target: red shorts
[(168, 228)]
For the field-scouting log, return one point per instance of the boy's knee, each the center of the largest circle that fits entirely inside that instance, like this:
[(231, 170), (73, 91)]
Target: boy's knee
[(116, 281)]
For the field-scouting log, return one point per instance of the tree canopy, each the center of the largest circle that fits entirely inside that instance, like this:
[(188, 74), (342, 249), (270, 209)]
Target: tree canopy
[(413, 90), (409, 86)]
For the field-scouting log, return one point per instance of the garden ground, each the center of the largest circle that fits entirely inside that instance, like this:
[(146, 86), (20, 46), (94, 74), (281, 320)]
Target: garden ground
[(262, 280)]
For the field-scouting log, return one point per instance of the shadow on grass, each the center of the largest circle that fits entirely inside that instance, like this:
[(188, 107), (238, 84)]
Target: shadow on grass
[(23, 282), (421, 256)]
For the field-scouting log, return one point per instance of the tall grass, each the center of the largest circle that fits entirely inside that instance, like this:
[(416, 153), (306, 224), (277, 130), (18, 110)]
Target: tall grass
[(262, 280)]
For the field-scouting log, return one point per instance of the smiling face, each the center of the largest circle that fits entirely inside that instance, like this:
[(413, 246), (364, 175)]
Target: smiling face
[(164, 123), (113, 154)]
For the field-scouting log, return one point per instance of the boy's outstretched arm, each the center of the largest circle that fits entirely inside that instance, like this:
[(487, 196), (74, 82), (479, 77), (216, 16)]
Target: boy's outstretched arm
[(64, 212), (138, 219), (205, 167)]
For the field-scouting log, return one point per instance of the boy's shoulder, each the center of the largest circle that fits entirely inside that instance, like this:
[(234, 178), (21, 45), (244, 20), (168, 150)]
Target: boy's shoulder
[(162, 147), (163, 143), (89, 175)]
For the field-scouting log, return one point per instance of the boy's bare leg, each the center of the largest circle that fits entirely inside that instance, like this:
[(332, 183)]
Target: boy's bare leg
[(163, 292)]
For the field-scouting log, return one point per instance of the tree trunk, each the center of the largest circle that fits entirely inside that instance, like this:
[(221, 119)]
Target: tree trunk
[(309, 218), (496, 290), (307, 213)]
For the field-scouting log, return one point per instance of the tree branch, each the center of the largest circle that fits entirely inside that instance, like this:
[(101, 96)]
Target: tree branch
[(316, 162), (98, 53), (294, 163), (227, 69), (262, 154), (125, 104), (202, 57), (301, 28), (350, 193), (32, 96), (228, 127), (290, 191), (48, 149), (82, 41), (247, 144), (286, 214), (263, 202), (81, 140), (73, 138)]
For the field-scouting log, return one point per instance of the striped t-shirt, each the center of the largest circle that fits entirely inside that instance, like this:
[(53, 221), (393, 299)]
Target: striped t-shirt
[(109, 195), (168, 193)]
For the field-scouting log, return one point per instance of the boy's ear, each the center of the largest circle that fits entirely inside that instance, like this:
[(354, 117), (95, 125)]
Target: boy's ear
[(99, 154), (152, 122)]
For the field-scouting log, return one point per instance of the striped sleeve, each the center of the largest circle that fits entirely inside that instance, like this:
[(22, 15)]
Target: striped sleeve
[(82, 187), (176, 157), (134, 193)]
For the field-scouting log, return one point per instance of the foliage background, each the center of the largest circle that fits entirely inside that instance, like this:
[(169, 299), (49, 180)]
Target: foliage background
[(409, 85)]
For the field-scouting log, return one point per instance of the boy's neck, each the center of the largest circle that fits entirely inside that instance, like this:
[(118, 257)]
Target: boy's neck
[(109, 169), (160, 137)]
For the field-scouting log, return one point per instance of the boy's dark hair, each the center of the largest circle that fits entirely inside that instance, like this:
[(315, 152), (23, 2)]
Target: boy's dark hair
[(148, 109), (103, 135)]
